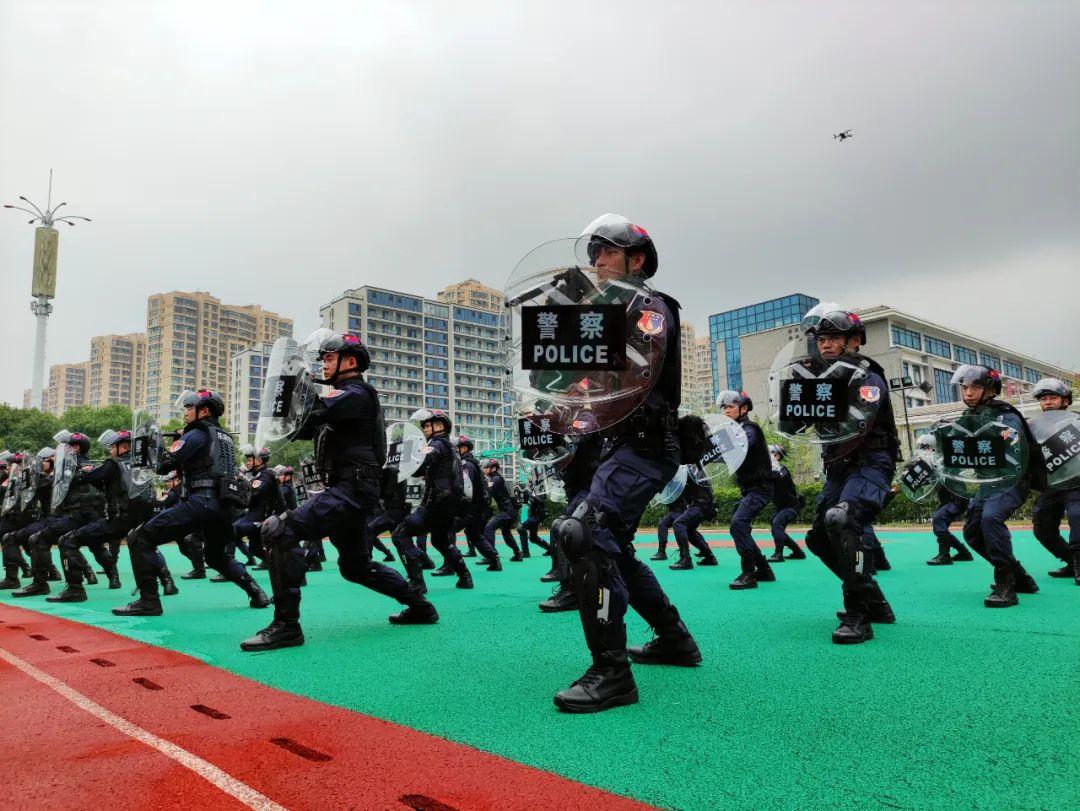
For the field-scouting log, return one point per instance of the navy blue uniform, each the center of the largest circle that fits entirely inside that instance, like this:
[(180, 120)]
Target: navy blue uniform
[(528, 530), (264, 500), (1050, 507), (663, 526), (348, 428), (505, 516), (788, 504), (755, 480), (700, 506), (473, 517)]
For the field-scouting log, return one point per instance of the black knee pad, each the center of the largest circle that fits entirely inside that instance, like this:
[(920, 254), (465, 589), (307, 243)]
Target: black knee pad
[(40, 540), (575, 533), (272, 530), (67, 544)]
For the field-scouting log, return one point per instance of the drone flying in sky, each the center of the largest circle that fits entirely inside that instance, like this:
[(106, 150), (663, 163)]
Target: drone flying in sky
[(843, 136)]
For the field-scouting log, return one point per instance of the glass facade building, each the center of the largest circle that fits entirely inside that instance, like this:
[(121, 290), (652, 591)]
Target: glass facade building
[(731, 325)]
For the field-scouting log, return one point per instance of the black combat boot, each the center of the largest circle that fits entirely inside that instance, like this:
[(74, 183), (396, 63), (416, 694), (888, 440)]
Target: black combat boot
[(219, 578), (114, 577), (1076, 569), (54, 574), (34, 589), (710, 560), (855, 626), (881, 563), (414, 571), (1025, 583), (197, 573), (942, 558), (962, 554), (564, 598), (796, 554), (516, 558), (11, 577), (1003, 589), (91, 578), (464, 580), (142, 607), (746, 580), (552, 574), (1065, 571), (607, 683), (278, 634), (672, 645), (418, 611), (877, 608), (168, 585), (256, 596), (495, 565), (661, 554), (443, 571), (71, 594), (426, 563), (682, 564), (777, 556), (470, 552), (763, 571)]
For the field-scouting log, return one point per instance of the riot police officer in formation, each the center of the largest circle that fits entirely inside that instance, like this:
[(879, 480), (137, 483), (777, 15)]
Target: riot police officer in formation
[(951, 508), (663, 526), (699, 505), (204, 456), (350, 451), (1053, 504), (20, 517), (788, 504), (536, 502), (264, 499), (858, 477), (755, 479), (503, 521), (473, 516)]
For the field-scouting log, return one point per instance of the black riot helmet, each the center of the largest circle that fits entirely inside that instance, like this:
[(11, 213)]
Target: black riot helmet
[(257, 454), (972, 375), (616, 230), (345, 344), (203, 397), (81, 442), (831, 319), (435, 416), (735, 398), (466, 442), (1052, 385)]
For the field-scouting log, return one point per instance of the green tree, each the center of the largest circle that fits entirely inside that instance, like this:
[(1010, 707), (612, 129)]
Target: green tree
[(26, 428)]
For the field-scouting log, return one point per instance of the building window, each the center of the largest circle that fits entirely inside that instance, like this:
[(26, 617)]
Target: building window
[(1031, 375), (1012, 370), (965, 355), (936, 346), (944, 391), (906, 337), (354, 308), (991, 361)]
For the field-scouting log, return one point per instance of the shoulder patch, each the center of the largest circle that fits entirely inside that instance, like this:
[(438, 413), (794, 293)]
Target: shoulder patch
[(334, 393), (869, 394), (651, 322), (257, 483), (177, 445)]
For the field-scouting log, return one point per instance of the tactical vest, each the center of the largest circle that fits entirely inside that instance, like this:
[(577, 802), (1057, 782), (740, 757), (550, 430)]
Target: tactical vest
[(215, 469), (786, 494), (442, 480), (353, 447), (479, 486), (392, 492), (81, 497), (756, 469)]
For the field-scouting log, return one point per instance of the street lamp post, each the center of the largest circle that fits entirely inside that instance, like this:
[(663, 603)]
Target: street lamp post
[(902, 384), (46, 243)]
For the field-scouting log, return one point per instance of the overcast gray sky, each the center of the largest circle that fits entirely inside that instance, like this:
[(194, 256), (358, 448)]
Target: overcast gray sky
[(278, 153)]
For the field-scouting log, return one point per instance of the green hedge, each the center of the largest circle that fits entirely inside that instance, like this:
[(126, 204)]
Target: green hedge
[(901, 510)]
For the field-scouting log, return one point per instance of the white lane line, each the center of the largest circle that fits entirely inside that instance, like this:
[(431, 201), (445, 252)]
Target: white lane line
[(208, 771)]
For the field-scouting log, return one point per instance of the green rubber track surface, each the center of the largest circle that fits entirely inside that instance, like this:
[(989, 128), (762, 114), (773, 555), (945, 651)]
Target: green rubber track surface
[(955, 706)]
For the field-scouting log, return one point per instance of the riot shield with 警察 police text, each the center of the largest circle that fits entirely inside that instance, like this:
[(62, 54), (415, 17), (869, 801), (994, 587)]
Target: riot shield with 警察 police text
[(147, 452), (820, 400), (288, 395), (31, 476), (405, 445), (1058, 435), (919, 480), (727, 447), (586, 344), (65, 465), (980, 453)]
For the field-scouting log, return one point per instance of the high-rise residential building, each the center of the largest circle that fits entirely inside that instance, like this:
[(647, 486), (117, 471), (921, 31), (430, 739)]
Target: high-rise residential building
[(910, 347), (430, 354), (725, 330), (26, 397), (470, 293), (67, 387), (702, 373), (247, 373), (190, 340), (694, 365), (117, 370)]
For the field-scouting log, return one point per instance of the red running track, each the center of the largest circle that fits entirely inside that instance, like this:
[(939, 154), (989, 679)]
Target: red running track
[(265, 748)]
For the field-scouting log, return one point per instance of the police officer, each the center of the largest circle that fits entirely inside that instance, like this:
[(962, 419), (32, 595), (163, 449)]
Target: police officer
[(506, 516), (642, 455), (350, 451), (264, 499), (204, 456), (25, 521), (124, 511), (663, 526), (473, 517), (858, 475), (285, 474), (789, 503), (404, 524), (191, 545), (985, 529), (755, 480), (1053, 504), (443, 493), (537, 504), (83, 504), (699, 506), (951, 508), (392, 495)]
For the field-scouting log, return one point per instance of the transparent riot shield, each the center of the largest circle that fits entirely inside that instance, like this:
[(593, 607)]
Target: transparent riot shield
[(147, 451), (288, 395), (31, 476), (727, 449), (405, 445), (538, 443), (13, 492), (1058, 435), (674, 488), (818, 400), (980, 454), (586, 345), (919, 480), (65, 465)]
